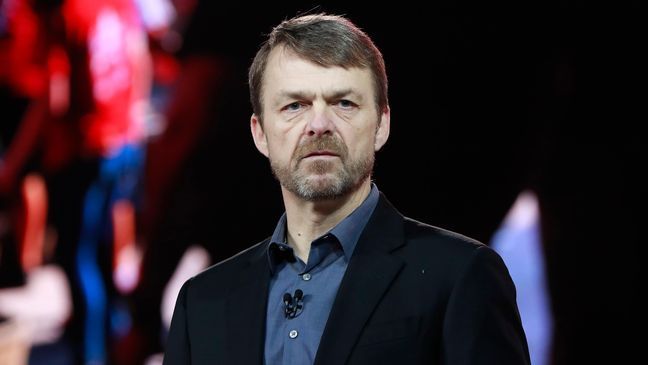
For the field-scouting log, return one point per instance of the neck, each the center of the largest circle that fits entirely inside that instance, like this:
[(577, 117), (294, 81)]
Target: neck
[(308, 220)]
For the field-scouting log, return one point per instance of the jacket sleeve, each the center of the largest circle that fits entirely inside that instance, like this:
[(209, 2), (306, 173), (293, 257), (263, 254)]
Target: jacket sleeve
[(482, 323), (178, 346)]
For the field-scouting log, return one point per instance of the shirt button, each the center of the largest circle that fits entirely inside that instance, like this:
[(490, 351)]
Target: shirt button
[(293, 334), (306, 276)]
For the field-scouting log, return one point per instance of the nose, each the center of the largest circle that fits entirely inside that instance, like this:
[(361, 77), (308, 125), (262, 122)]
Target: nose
[(320, 123)]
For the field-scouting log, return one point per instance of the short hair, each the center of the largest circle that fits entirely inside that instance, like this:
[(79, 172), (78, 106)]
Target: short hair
[(327, 40)]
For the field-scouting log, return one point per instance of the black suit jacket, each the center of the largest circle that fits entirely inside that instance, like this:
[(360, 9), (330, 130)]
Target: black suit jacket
[(412, 294)]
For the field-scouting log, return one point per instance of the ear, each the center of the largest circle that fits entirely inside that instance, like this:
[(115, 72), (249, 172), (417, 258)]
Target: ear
[(382, 133), (258, 135)]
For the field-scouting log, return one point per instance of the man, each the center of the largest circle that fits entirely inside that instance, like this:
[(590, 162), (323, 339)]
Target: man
[(345, 278)]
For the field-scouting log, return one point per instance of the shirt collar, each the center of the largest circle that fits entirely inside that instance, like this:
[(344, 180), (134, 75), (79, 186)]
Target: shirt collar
[(347, 232)]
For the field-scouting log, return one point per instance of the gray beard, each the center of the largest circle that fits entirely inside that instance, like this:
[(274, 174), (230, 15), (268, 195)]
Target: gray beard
[(337, 184)]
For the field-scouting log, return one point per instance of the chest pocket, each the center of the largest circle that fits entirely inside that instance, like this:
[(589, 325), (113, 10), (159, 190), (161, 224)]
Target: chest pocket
[(388, 331)]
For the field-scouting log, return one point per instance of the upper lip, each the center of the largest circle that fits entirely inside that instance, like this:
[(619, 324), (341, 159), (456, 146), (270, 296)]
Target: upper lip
[(321, 153)]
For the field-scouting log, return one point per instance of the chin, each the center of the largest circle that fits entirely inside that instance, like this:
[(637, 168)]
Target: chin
[(323, 182), (321, 187)]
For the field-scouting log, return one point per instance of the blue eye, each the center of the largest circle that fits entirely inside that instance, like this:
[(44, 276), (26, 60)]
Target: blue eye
[(346, 104), (293, 106)]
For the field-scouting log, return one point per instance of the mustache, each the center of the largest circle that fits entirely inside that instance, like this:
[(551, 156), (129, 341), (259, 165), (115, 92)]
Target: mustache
[(325, 143)]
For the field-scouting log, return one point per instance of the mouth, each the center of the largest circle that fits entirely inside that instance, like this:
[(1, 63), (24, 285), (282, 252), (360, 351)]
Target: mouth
[(322, 153)]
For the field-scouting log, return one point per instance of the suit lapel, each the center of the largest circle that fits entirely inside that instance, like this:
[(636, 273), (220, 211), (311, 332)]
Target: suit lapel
[(369, 274), (246, 312)]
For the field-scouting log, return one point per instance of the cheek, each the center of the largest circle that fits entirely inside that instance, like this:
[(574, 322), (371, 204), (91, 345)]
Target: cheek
[(362, 143), (280, 147), (364, 149)]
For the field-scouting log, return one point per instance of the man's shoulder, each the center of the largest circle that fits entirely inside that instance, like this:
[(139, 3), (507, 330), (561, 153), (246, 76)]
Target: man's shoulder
[(435, 243), (416, 230), (224, 271), (422, 239), (442, 254)]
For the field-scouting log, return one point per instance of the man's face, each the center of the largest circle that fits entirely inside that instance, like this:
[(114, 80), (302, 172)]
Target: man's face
[(320, 126)]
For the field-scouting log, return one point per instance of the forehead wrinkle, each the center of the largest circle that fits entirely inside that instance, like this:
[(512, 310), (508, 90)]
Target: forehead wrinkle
[(282, 57), (308, 95)]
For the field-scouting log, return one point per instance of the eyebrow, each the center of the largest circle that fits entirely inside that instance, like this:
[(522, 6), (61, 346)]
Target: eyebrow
[(301, 95)]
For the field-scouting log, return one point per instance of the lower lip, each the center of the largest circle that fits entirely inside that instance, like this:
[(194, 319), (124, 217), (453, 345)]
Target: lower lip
[(322, 156)]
